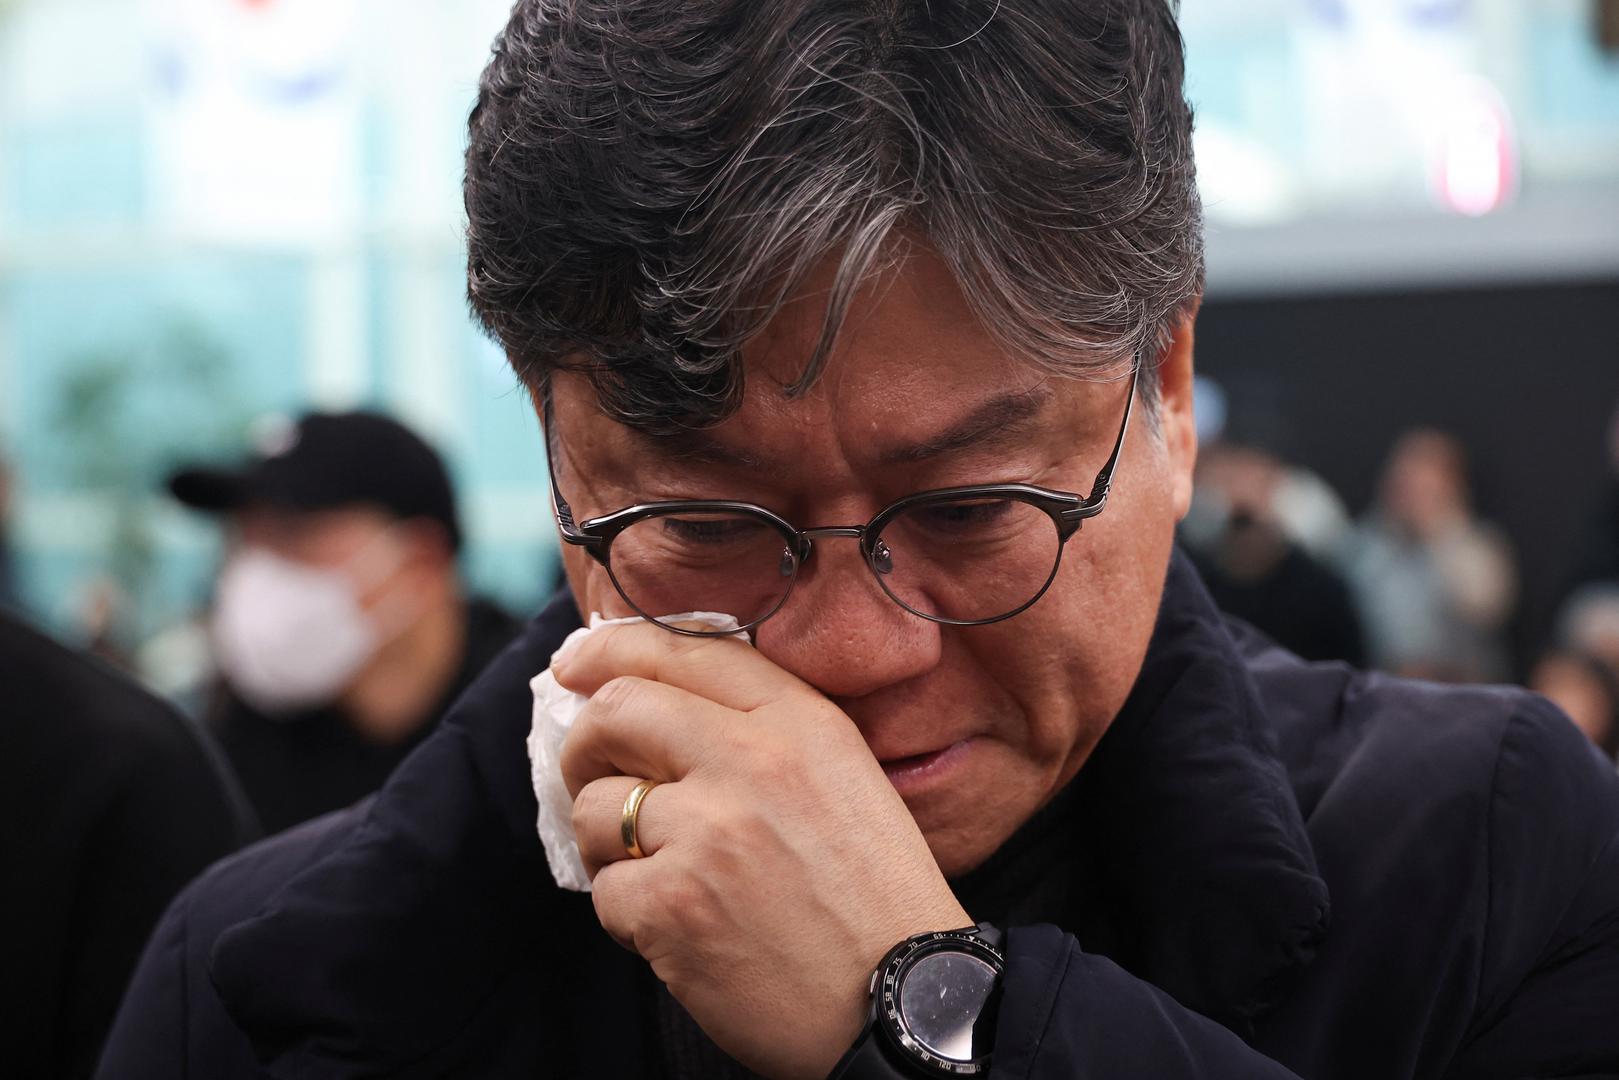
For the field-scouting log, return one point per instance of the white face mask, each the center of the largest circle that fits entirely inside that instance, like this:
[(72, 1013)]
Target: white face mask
[(289, 636)]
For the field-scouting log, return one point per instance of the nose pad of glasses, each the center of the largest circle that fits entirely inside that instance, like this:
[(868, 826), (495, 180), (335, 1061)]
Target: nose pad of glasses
[(882, 558), (789, 563)]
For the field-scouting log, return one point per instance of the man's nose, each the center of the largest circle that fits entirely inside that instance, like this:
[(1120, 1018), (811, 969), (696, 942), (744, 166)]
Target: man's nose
[(841, 633)]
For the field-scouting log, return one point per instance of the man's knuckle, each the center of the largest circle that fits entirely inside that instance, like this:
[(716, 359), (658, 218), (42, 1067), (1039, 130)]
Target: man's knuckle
[(729, 748), (773, 764), (626, 908), (620, 694), (610, 912), (587, 809), (721, 825), (698, 912), (686, 902)]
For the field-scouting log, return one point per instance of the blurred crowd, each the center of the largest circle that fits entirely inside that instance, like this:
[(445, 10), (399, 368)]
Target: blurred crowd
[(1419, 585)]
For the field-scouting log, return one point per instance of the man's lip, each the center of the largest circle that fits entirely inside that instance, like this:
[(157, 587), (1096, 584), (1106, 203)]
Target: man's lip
[(913, 773), (912, 757)]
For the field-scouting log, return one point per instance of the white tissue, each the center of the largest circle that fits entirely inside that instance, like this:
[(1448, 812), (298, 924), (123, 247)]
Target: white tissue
[(554, 711)]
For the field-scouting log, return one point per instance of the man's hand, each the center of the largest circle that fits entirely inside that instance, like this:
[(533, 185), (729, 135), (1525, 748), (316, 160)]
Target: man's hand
[(780, 863)]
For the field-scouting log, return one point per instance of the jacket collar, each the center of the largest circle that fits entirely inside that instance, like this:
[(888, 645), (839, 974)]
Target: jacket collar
[(387, 949), (1214, 890)]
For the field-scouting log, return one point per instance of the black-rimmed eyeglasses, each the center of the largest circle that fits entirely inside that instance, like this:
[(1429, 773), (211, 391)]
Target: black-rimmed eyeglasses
[(965, 556)]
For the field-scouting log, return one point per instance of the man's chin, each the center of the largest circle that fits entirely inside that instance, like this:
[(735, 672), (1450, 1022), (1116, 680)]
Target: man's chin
[(962, 849), (962, 828)]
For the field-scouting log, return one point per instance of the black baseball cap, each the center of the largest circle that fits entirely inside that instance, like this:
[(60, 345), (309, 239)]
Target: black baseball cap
[(328, 460)]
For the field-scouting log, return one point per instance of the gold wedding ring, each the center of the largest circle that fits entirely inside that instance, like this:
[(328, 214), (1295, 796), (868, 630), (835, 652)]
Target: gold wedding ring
[(632, 811)]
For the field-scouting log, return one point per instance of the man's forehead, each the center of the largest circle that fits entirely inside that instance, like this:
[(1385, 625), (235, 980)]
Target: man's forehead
[(914, 375), (908, 323)]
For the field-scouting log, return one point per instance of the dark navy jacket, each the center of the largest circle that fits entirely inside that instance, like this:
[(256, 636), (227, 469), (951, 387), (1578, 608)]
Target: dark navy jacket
[(1291, 870)]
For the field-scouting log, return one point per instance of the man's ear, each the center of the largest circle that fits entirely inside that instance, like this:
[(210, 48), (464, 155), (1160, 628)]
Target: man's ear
[(1177, 425)]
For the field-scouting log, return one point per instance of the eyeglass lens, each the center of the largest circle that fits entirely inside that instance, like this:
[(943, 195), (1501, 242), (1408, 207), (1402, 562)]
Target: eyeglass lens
[(967, 560), (962, 560), (733, 563)]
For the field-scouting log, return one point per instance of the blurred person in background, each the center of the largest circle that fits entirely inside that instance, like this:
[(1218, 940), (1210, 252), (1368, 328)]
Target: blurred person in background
[(110, 801), (1598, 560), (1585, 688), (1589, 623), (1311, 512), (340, 625), (1434, 584), (1254, 567)]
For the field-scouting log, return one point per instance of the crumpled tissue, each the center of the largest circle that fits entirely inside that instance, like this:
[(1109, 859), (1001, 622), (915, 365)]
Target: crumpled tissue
[(555, 709)]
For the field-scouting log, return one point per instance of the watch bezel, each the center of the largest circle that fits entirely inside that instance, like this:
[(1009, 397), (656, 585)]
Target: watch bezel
[(891, 976)]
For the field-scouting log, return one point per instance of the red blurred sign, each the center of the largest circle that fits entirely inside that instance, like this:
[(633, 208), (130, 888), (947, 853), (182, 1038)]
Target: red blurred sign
[(1476, 157)]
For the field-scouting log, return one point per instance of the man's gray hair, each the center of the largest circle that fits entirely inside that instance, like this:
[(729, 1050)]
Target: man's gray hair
[(648, 181)]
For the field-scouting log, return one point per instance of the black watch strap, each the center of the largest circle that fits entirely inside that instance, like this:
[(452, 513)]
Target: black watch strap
[(867, 1059)]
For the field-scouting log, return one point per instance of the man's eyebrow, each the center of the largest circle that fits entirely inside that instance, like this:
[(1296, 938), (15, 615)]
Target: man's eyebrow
[(996, 420), (700, 448)]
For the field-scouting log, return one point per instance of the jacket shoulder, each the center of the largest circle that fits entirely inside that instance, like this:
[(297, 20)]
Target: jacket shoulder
[(235, 888), (72, 699), (172, 1021), (1487, 797), (1335, 726)]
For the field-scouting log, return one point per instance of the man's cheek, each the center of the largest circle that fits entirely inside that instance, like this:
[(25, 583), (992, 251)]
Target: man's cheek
[(592, 586)]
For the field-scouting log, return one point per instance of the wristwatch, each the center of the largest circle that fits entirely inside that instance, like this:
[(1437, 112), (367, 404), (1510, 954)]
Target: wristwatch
[(934, 1000)]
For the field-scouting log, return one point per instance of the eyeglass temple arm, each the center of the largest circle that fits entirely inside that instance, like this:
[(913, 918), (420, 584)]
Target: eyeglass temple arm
[(559, 506), (1104, 476)]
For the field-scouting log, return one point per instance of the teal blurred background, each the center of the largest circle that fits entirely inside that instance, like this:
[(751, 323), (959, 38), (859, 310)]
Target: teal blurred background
[(216, 210), (211, 212)]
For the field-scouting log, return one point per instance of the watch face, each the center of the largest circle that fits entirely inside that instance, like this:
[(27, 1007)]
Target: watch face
[(937, 1001), (940, 998)]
